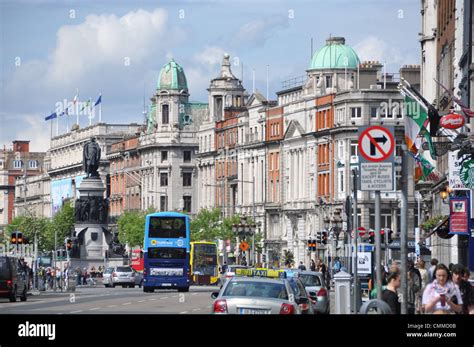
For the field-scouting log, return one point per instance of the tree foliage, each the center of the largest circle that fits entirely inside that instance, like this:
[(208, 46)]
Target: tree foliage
[(131, 227), (208, 225)]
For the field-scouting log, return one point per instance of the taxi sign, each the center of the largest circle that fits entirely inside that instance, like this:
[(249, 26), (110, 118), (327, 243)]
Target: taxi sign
[(260, 273)]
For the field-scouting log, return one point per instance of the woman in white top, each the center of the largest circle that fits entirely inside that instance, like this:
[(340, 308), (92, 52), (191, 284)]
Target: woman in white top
[(438, 295)]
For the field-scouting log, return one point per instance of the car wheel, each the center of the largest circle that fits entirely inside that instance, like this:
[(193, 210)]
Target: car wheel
[(24, 296), (148, 290), (13, 296), (113, 285), (183, 289)]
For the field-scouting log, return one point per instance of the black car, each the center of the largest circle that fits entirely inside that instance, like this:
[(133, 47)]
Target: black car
[(13, 279)]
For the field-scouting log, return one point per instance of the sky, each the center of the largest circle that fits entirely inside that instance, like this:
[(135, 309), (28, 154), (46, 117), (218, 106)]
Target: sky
[(50, 50)]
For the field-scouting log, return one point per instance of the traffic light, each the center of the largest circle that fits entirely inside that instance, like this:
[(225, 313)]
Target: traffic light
[(310, 245), (319, 237), (389, 236), (372, 236), (17, 238), (324, 237)]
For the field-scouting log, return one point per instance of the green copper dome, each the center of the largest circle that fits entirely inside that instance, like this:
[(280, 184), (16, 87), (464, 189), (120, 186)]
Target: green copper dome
[(172, 77), (335, 55)]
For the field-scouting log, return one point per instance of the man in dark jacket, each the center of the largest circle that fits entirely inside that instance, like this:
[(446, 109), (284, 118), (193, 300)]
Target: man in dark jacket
[(464, 287)]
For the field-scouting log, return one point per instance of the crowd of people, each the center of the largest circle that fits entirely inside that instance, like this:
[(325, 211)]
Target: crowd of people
[(437, 290), (50, 278)]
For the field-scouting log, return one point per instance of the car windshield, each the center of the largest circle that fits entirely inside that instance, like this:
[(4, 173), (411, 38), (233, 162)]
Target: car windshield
[(4, 269), (256, 289), (109, 270), (124, 269), (233, 268), (310, 280)]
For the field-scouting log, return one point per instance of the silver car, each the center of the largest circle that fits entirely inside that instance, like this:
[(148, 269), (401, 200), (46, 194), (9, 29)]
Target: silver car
[(119, 275), (256, 295), (316, 289)]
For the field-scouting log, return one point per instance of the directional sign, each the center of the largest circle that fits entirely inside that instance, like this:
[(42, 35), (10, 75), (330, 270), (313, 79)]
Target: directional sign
[(376, 144), (244, 246)]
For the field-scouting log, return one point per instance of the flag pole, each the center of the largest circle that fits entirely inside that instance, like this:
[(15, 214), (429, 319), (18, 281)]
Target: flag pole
[(90, 114), (100, 108), (77, 105), (57, 125)]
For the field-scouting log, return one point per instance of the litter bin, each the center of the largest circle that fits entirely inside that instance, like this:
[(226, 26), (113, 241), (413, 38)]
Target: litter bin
[(71, 283)]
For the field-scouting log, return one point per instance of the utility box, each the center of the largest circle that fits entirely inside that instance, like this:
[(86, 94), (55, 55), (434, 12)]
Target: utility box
[(342, 285)]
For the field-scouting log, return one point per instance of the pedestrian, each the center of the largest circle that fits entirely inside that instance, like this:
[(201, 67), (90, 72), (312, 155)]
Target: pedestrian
[(313, 265), (425, 280), (58, 278), (301, 266), (464, 287), (84, 276), (337, 265), (389, 295), (438, 295), (323, 270), (434, 263), (414, 286), (224, 268), (243, 262)]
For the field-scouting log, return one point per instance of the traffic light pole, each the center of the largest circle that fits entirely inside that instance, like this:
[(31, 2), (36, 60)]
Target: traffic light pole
[(355, 251), (378, 250)]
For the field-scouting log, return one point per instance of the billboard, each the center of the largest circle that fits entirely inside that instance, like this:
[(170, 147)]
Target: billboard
[(60, 190)]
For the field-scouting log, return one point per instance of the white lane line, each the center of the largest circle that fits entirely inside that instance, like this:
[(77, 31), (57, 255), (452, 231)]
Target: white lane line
[(194, 293), (183, 312), (163, 298), (94, 308), (152, 299), (196, 309), (76, 311), (127, 303), (112, 306), (141, 300)]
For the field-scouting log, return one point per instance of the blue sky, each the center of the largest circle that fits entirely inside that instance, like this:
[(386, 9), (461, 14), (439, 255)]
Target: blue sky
[(50, 48)]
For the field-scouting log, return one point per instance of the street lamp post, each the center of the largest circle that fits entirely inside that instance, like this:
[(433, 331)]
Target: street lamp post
[(253, 214)]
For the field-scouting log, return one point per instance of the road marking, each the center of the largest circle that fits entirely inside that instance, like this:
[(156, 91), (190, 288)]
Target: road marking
[(196, 309), (152, 299), (183, 312), (127, 303), (174, 296), (94, 308), (76, 311), (141, 300), (112, 306), (163, 298)]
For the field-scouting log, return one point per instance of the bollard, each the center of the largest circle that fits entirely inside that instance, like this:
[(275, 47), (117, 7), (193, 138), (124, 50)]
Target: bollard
[(342, 285)]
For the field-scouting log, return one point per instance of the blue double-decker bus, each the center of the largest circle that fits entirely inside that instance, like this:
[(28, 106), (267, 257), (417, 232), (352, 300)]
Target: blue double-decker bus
[(166, 252)]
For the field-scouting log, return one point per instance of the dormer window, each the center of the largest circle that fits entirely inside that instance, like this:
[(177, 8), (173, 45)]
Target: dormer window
[(18, 164), (165, 117)]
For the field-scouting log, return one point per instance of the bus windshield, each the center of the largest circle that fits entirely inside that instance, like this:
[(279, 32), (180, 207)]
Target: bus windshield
[(204, 259), (167, 227)]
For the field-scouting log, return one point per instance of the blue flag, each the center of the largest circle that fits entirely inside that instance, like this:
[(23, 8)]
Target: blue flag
[(99, 100), (51, 116)]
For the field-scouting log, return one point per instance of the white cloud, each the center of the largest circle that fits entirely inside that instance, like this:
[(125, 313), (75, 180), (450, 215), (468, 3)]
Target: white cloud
[(257, 31), (374, 48)]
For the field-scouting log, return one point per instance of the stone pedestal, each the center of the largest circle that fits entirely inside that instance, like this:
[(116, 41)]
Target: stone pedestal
[(91, 220)]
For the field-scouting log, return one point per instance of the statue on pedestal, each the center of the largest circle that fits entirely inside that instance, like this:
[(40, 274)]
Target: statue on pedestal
[(91, 158)]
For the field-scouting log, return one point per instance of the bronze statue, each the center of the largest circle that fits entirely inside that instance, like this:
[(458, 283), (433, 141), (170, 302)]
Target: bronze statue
[(77, 210), (91, 158)]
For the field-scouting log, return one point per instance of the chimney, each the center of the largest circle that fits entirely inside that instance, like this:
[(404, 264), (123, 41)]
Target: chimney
[(21, 146)]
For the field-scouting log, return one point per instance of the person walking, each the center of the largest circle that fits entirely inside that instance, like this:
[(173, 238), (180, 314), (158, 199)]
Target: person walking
[(438, 295), (301, 266), (313, 265), (434, 263), (464, 287), (389, 295), (414, 286)]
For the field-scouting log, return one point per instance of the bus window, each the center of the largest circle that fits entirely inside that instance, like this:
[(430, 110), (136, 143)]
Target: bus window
[(167, 227), (166, 253)]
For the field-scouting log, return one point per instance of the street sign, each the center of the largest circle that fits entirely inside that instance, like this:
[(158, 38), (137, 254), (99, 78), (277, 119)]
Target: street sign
[(454, 171), (459, 216), (376, 147), (244, 246), (364, 263), (441, 148), (376, 176), (376, 144)]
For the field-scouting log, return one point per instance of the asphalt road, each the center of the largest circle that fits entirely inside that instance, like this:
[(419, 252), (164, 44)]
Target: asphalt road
[(117, 300)]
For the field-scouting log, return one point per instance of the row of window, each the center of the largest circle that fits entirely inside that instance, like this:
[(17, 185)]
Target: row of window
[(18, 164), (150, 201), (187, 179)]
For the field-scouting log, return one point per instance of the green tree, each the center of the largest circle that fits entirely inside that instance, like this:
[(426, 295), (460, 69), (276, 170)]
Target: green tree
[(61, 226), (131, 227), (29, 225), (208, 225)]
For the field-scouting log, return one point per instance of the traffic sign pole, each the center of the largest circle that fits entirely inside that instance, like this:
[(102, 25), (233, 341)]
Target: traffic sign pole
[(355, 251), (404, 230), (378, 250)]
